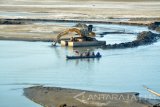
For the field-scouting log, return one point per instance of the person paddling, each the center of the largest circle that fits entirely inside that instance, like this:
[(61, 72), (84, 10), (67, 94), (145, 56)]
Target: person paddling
[(98, 54)]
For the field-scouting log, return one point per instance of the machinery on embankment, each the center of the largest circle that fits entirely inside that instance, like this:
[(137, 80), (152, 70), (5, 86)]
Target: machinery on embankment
[(86, 37)]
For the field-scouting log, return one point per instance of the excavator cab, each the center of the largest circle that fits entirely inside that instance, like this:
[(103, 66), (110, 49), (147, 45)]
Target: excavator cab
[(90, 27)]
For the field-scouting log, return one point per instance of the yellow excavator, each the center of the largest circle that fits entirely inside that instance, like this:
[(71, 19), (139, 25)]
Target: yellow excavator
[(83, 33)]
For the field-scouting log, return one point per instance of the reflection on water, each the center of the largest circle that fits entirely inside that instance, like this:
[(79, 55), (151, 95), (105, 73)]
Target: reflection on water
[(78, 61), (82, 50)]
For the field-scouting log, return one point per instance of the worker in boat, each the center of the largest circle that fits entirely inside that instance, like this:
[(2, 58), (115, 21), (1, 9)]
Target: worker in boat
[(93, 54), (77, 52), (98, 54), (88, 53)]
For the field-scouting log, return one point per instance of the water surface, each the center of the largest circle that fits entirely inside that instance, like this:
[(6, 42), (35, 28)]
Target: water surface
[(24, 64)]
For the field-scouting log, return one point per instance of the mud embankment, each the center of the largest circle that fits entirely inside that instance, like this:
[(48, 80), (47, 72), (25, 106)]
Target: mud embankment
[(155, 26), (28, 21), (64, 97), (144, 38)]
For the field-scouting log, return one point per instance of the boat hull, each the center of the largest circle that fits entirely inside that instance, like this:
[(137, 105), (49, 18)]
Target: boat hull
[(82, 57)]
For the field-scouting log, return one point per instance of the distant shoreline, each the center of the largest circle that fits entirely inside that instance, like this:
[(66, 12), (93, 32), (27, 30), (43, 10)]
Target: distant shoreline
[(132, 21)]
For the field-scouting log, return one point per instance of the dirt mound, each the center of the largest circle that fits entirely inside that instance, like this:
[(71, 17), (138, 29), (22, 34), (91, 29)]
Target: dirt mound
[(144, 38), (81, 25), (155, 26)]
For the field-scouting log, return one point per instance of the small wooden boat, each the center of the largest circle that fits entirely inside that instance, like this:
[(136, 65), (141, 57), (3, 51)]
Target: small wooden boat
[(82, 57)]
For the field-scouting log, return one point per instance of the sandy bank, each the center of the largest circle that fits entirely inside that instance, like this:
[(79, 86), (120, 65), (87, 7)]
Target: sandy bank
[(28, 30), (55, 96), (15, 15), (101, 10), (81, 9)]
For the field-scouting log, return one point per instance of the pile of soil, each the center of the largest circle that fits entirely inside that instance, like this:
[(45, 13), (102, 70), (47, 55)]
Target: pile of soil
[(144, 38), (155, 26), (65, 97)]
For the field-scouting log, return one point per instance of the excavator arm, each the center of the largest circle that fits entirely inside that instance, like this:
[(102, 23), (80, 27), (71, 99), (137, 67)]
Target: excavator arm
[(76, 30)]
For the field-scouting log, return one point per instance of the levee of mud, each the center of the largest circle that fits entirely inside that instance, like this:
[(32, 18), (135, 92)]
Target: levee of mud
[(64, 97), (144, 38), (25, 21)]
